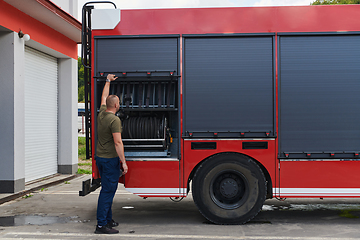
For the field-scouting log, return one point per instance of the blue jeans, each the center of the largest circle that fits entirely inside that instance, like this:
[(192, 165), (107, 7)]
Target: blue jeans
[(110, 172)]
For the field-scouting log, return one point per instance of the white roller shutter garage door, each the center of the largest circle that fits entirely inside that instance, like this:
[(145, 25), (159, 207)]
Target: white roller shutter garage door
[(41, 114)]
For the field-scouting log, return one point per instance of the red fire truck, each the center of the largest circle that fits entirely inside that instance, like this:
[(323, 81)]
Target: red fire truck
[(236, 104)]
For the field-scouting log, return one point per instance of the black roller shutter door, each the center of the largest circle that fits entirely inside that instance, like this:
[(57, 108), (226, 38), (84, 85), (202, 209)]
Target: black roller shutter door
[(229, 86), (319, 93), (136, 54)]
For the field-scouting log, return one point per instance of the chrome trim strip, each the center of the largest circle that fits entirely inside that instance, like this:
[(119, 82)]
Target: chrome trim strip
[(157, 192), (229, 139), (140, 159), (336, 192), (317, 160)]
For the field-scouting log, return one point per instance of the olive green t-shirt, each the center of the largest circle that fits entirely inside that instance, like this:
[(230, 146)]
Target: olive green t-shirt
[(107, 124)]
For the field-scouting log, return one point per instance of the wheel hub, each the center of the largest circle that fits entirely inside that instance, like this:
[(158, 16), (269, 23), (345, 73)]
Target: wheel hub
[(229, 188)]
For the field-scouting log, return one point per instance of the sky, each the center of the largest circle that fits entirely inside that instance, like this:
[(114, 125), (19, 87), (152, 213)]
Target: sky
[(145, 4)]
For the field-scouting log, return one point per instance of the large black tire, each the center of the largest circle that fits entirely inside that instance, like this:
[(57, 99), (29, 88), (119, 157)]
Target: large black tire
[(229, 189)]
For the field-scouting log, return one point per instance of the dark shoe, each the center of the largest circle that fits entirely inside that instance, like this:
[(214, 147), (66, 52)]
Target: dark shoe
[(112, 224), (105, 230)]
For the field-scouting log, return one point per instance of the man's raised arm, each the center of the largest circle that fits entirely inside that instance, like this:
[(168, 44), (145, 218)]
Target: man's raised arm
[(105, 93)]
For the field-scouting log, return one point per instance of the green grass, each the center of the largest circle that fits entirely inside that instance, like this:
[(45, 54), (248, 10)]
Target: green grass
[(27, 196), (82, 156), (85, 164), (83, 171), (347, 214), (82, 148)]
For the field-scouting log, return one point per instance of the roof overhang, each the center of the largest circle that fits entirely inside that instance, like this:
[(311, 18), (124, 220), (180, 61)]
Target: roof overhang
[(51, 15)]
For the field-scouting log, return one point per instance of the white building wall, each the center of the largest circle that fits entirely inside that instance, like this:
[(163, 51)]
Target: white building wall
[(12, 107), (19, 109), (67, 121), (12, 124)]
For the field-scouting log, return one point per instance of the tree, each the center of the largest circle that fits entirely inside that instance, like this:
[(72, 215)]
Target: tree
[(331, 2), (81, 94), (81, 87)]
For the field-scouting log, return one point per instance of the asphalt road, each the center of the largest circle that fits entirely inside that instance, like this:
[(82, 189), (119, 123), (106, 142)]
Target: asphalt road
[(59, 213)]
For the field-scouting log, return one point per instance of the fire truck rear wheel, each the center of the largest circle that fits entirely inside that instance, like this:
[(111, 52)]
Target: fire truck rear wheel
[(229, 189)]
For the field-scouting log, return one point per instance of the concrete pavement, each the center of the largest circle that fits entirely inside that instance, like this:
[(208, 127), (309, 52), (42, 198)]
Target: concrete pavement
[(35, 185), (57, 212)]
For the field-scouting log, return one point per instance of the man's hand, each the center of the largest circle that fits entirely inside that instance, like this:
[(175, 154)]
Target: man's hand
[(125, 168), (111, 77)]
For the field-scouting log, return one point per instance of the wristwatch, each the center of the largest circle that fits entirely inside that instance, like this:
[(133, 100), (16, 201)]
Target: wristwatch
[(108, 80)]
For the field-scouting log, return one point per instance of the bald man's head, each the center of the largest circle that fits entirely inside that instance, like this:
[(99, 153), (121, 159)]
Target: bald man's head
[(112, 101)]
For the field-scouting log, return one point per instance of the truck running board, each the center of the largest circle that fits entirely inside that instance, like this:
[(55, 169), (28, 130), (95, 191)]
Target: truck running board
[(88, 187)]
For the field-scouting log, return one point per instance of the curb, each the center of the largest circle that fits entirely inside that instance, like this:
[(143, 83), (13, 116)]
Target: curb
[(45, 185)]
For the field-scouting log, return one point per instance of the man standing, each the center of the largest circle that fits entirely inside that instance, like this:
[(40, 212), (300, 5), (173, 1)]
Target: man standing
[(109, 154)]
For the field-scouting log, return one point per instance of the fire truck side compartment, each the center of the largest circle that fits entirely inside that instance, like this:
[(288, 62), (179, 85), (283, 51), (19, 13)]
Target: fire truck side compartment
[(229, 86), (319, 96), (147, 85)]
